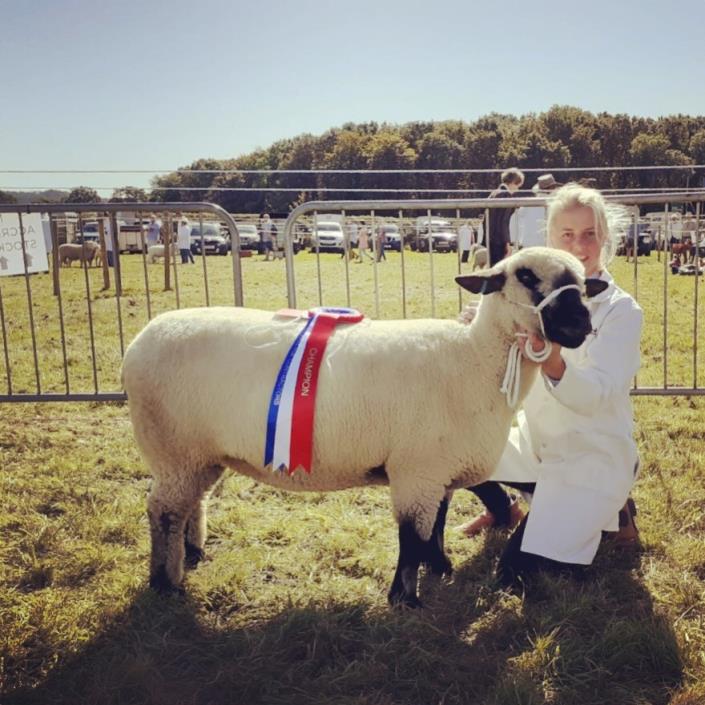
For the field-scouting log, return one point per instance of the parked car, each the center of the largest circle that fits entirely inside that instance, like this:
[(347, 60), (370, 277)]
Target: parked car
[(442, 236), (249, 237), (89, 232), (327, 236), (393, 236), (214, 242)]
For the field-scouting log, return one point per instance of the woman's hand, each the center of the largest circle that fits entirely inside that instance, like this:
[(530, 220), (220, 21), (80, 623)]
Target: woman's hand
[(553, 366)]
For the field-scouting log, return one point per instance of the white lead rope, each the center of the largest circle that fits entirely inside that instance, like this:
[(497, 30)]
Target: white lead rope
[(512, 374)]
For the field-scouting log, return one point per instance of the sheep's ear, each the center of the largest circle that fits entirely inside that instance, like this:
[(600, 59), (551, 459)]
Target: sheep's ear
[(593, 287), (482, 283)]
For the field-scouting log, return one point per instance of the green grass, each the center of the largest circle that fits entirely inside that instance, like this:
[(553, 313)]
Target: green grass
[(290, 606)]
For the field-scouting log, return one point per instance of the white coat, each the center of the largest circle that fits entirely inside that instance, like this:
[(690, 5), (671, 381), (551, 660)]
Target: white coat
[(527, 226), (575, 437), (466, 237)]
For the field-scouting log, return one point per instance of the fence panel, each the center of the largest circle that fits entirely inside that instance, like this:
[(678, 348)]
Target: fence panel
[(64, 332)]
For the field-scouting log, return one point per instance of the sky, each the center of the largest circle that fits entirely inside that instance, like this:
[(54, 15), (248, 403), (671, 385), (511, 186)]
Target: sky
[(153, 85)]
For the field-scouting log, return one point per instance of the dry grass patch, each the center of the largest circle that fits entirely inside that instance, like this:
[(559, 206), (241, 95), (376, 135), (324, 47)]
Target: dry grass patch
[(290, 605)]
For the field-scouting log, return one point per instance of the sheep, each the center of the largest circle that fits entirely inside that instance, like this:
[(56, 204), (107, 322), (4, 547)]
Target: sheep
[(70, 252), (479, 257), (155, 252), (440, 420)]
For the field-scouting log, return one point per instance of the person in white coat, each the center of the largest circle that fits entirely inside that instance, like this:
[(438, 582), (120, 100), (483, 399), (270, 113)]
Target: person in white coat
[(527, 226), (466, 239), (183, 240), (573, 451)]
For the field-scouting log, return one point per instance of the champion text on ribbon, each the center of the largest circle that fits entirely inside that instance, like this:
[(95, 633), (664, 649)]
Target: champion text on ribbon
[(289, 442)]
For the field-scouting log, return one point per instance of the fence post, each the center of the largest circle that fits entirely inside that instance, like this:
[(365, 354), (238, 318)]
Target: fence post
[(55, 263), (166, 237), (116, 254), (103, 254)]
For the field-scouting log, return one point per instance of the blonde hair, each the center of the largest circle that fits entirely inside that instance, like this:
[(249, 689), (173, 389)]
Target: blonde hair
[(611, 220)]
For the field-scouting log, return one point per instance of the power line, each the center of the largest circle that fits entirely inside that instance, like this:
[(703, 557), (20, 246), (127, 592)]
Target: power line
[(316, 189), (562, 169)]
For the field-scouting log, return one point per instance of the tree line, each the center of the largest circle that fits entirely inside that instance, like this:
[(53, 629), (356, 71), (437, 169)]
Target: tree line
[(563, 136)]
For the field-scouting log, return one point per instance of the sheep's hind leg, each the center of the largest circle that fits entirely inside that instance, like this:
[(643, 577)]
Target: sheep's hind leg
[(411, 552), (197, 523), (436, 559), (167, 520), (170, 504)]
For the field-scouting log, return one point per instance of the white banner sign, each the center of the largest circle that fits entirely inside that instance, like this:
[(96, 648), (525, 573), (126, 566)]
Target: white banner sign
[(11, 252)]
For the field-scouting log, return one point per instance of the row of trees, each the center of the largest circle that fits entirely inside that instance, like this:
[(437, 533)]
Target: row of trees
[(561, 137)]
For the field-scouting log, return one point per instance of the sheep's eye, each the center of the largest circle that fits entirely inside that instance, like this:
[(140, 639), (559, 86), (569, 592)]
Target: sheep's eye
[(528, 278)]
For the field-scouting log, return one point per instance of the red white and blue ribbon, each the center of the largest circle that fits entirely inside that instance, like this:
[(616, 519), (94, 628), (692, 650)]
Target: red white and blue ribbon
[(292, 407)]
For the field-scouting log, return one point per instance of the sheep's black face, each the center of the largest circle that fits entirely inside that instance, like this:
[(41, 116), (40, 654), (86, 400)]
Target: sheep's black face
[(566, 319)]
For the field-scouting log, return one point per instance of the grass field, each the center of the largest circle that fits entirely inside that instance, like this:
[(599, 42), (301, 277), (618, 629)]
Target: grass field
[(290, 606)]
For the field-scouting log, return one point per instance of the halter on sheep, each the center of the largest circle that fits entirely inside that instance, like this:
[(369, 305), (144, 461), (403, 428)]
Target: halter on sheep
[(444, 431)]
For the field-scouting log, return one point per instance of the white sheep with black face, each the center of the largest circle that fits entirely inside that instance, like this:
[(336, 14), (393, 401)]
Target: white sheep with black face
[(424, 394)]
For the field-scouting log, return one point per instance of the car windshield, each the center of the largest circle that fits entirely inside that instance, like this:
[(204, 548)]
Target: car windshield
[(247, 229), (207, 230), (328, 227), (441, 227), (391, 229)]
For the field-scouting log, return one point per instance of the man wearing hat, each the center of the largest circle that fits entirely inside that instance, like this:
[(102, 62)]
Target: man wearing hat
[(527, 226)]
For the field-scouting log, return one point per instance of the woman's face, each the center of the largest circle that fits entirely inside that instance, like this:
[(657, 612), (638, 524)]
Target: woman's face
[(574, 231)]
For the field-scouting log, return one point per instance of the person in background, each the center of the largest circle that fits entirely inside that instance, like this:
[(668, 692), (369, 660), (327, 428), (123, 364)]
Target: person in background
[(676, 228), (573, 451), (183, 240), (266, 233), (109, 242), (480, 231), (498, 236), (349, 241), (380, 241), (154, 230), (363, 244), (466, 239), (527, 226)]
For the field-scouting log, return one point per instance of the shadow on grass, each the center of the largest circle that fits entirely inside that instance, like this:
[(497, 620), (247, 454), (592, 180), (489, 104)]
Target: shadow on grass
[(593, 642)]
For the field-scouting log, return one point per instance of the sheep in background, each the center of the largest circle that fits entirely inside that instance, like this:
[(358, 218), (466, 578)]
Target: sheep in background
[(479, 257), (70, 252), (155, 252), (435, 384)]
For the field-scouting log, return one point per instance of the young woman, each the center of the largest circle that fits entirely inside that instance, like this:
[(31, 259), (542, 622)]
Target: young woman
[(573, 451)]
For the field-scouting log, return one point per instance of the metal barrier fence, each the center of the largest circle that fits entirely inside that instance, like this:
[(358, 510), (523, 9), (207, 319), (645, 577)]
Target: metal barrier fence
[(64, 333), (671, 354)]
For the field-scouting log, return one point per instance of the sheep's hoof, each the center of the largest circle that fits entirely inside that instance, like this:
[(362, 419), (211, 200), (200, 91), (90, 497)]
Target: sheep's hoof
[(404, 601), (193, 556), (160, 583)]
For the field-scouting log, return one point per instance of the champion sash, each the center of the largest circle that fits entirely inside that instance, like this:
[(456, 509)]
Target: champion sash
[(292, 407)]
